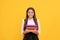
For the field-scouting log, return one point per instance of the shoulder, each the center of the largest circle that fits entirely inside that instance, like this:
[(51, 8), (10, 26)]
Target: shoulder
[(22, 20), (38, 20)]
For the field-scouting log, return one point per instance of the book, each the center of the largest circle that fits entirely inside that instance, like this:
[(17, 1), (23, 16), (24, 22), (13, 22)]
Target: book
[(31, 27)]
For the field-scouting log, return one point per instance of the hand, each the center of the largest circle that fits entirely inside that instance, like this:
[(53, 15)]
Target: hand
[(26, 31), (35, 31)]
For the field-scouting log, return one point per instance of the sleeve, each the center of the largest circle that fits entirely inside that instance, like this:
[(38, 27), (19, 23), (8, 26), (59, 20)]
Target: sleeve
[(38, 26), (22, 26)]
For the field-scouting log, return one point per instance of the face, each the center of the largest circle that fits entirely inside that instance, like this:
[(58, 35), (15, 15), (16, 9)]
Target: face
[(30, 13)]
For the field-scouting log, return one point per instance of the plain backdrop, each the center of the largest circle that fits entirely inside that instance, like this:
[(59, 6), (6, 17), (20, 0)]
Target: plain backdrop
[(13, 11)]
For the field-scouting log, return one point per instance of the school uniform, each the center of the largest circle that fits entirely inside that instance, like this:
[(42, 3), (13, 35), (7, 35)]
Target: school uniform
[(30, 35)]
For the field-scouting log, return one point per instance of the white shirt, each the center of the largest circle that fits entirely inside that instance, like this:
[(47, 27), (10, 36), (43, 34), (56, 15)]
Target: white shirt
[(31, 21)]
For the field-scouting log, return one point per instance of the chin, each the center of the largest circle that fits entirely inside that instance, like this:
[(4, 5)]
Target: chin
[(31, 17)]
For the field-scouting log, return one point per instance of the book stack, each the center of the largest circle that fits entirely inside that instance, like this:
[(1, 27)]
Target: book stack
[(31, 27)]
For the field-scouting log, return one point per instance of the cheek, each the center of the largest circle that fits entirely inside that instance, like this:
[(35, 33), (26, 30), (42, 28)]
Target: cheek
[(32, 14), (28, 14)]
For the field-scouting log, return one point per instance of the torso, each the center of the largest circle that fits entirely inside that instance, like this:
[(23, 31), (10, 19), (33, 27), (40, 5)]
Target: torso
[(31, 25)]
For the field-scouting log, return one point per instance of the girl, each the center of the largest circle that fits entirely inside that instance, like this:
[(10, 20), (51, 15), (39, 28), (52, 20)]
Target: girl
[(30, 25)]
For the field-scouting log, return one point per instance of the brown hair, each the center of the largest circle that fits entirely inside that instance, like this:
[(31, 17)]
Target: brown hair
[(26, 19)]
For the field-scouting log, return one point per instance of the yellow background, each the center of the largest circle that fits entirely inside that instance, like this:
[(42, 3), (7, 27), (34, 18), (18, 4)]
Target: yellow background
[(13, 11)]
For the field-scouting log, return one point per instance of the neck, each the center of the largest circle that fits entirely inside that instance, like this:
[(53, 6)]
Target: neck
[(29, 18)]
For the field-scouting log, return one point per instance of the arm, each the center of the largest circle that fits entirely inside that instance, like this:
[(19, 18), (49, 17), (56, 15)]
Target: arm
[(26, 31), (22, 26), (38, 26)]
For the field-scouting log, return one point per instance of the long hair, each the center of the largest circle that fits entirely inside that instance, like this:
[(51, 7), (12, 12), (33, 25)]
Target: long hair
[(26, 19)]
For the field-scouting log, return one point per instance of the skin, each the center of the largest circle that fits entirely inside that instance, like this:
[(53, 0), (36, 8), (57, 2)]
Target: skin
[(30, 14)]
